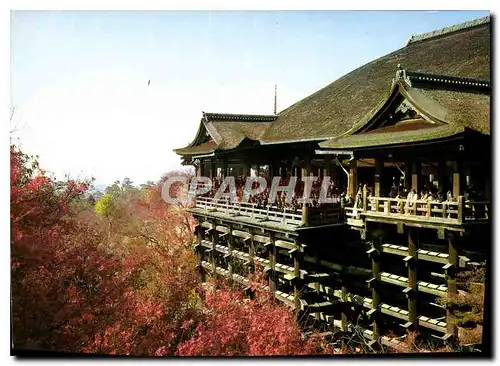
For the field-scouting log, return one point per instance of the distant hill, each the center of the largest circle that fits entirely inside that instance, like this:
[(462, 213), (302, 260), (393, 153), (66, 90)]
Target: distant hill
[(100, 187)]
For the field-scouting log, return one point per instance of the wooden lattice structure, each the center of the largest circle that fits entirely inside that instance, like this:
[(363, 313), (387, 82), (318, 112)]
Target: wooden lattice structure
[(374, 261)]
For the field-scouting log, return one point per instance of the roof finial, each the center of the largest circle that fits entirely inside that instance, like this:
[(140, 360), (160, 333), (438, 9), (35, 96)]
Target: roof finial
[(275, 97)]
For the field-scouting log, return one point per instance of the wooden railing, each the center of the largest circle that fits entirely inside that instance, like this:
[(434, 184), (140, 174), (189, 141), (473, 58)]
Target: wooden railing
[(270, 213), (352, 212), (315, 215), (458, 212), (476, 210)]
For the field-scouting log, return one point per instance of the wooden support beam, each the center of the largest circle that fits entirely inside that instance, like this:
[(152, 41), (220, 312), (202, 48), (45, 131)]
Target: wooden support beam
[(305, 215), (251, 251), (273, 283), (202, 168), (271, 170), (306, 168), (423, 255), (297, 284), (197, 169), (353, 179), (422, 286), (215, 239), (413, 243), (213, 171), (285, 244), (306, 171), (246, 169), (230, 247), (374, 284), (199, 238), (316, 287), (443, 176), (327, 162), (343, 297), (379, 165), (415, 172), (408, 174), (450, 269), (456, 178), (283, 170), (225, 169)]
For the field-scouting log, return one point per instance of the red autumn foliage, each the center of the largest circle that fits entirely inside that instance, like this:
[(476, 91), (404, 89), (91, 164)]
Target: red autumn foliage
[(78, 287), (235, 325)]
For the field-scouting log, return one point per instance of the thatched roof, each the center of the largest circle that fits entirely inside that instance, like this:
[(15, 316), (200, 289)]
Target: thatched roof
[(226, 131), (333, 110), (201, 149), (447, 106), (461, 53)]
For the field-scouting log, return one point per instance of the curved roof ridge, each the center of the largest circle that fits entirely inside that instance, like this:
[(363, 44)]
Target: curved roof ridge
[(447, 30), (239, 117), (457, 81)]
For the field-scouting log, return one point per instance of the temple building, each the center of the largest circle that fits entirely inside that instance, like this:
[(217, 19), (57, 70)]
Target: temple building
[(405, 140)]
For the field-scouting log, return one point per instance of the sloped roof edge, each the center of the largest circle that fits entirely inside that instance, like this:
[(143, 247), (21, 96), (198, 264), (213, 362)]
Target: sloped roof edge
[(429, 109), (447, 30), (393, 138), (239, 117)]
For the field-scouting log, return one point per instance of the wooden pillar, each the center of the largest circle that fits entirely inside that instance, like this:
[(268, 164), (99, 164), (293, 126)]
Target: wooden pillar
[(283, 170), (353, 179), (213, 171), (327, 162), (408, 174), (374, 284), (450, 268), (379, 165), (202, 168), (415, 172), (246, 169), (199, 238), (215, 239), (316, 284), (251, 252), (443, 176), (365, 198), (457, 179), (345, 303), (273, 284), (225, 169), (271, 171), (306, 171), (411, 290), (297, 255), (230, 247)]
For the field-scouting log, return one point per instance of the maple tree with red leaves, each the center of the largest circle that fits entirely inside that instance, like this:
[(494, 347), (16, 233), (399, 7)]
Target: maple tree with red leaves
[(125, 282)]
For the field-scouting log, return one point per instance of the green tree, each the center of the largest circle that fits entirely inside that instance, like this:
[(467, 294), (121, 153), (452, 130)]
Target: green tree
[(105, 206)]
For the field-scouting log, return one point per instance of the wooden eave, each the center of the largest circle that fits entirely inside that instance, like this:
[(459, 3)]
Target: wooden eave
[(359, 138)]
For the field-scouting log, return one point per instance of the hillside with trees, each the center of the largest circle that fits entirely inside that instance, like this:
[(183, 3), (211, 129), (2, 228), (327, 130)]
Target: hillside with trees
[(115, 273)]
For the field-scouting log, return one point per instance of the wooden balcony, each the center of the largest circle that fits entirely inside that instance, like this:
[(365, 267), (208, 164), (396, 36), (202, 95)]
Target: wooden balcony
[(418, 211), (312, 216)]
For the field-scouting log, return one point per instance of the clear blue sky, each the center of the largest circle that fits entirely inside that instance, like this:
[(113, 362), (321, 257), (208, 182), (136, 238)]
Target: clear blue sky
[(79, 79)]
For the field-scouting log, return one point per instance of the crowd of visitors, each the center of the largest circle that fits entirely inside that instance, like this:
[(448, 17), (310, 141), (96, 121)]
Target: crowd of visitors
[(408, 198), (261, 200)]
